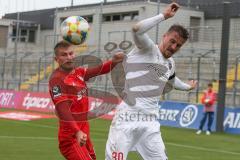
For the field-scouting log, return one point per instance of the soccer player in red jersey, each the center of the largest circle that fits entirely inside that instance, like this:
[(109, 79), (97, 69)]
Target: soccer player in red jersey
[(69, 93)]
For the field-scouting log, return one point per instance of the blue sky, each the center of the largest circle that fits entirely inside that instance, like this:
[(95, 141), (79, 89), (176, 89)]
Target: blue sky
[(8, 6)]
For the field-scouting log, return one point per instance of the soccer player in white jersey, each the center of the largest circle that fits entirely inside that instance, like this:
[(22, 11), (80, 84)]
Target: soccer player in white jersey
[(148, 67)]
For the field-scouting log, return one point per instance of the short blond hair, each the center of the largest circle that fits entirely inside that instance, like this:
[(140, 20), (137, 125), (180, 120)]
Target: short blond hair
[(61, 44)]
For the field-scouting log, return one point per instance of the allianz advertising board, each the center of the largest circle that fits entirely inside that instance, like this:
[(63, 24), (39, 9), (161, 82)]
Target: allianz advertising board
[(185, 115)]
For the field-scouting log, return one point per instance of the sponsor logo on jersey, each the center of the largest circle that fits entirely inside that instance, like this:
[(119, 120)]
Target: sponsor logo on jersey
[(81, 93)]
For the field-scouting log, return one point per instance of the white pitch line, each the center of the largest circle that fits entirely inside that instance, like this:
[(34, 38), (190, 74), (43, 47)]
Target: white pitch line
[(45, 126), (32, 138), (203, 149), (37, 138), (172, 144), (34, 125)]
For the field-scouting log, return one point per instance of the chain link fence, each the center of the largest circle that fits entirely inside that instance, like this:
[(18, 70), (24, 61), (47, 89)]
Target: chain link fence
[(33, 72)]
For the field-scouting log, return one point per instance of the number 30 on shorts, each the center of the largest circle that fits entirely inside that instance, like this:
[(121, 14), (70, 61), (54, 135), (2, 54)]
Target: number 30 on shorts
[(117, 155)]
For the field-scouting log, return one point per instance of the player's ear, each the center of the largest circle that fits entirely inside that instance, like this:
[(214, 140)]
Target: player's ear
[(55, 58), (164, 35)]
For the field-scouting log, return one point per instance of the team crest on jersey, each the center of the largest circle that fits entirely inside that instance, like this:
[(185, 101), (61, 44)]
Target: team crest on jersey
[(56, 91)]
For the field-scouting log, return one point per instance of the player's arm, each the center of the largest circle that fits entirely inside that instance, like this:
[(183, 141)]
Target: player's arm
[(66, 119), (180, 85), (203, 98), (212, 100), (104, 67), (65, 116), (63, 104), (140, 37), (214, 97)]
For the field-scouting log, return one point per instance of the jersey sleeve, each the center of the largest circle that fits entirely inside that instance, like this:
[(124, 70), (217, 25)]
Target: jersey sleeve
[(177, 83), (85, 74), (98, 70), (213, 99), (203, 97), (180, 85), (58, 91), (140, 37), (65, 116), (142, 41), (62, 101)]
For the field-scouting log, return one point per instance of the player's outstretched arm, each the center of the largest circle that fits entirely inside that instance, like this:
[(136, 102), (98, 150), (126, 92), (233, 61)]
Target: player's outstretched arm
[(141, 39), (145, 25), (180, 85), (105, 67), (193, 84)]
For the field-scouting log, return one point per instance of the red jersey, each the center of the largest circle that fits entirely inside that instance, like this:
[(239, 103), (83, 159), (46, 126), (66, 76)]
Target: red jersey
[(208, 100), (71, 87), (70, 96)]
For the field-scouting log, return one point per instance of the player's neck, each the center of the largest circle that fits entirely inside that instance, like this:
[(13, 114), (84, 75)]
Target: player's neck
[(209, 90), (66, 70), (161, 52)]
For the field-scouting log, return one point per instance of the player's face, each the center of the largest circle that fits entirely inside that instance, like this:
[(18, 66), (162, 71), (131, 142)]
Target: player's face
[(210, 88), (171, 43), (65, 58)]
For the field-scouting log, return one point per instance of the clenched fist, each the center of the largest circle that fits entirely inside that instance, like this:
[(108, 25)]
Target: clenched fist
[(118, 57), (171, 10)]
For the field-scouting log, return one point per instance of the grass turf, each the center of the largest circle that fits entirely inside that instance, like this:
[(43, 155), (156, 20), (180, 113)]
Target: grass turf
[(20, 140)]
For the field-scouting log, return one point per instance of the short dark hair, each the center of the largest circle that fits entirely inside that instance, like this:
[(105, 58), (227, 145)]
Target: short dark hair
[(61, 44), (210, 85), (182, 31)]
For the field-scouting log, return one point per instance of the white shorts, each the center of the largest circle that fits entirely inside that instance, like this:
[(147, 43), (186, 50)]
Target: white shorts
[(140, 136)]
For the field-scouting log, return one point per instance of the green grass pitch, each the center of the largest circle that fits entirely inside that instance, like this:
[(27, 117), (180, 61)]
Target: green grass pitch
[(37, 140)]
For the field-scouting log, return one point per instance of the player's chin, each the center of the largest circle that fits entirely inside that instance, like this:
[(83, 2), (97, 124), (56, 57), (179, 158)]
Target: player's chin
[(168, 55), (68, 66)]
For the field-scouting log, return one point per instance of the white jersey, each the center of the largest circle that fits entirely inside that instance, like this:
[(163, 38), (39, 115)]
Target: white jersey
[(147, 72), (135, 126)]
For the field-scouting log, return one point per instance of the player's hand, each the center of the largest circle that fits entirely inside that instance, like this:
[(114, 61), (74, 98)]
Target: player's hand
[(118, 57), (171, 10), (193, 84), (81, 137), (207, 103)]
